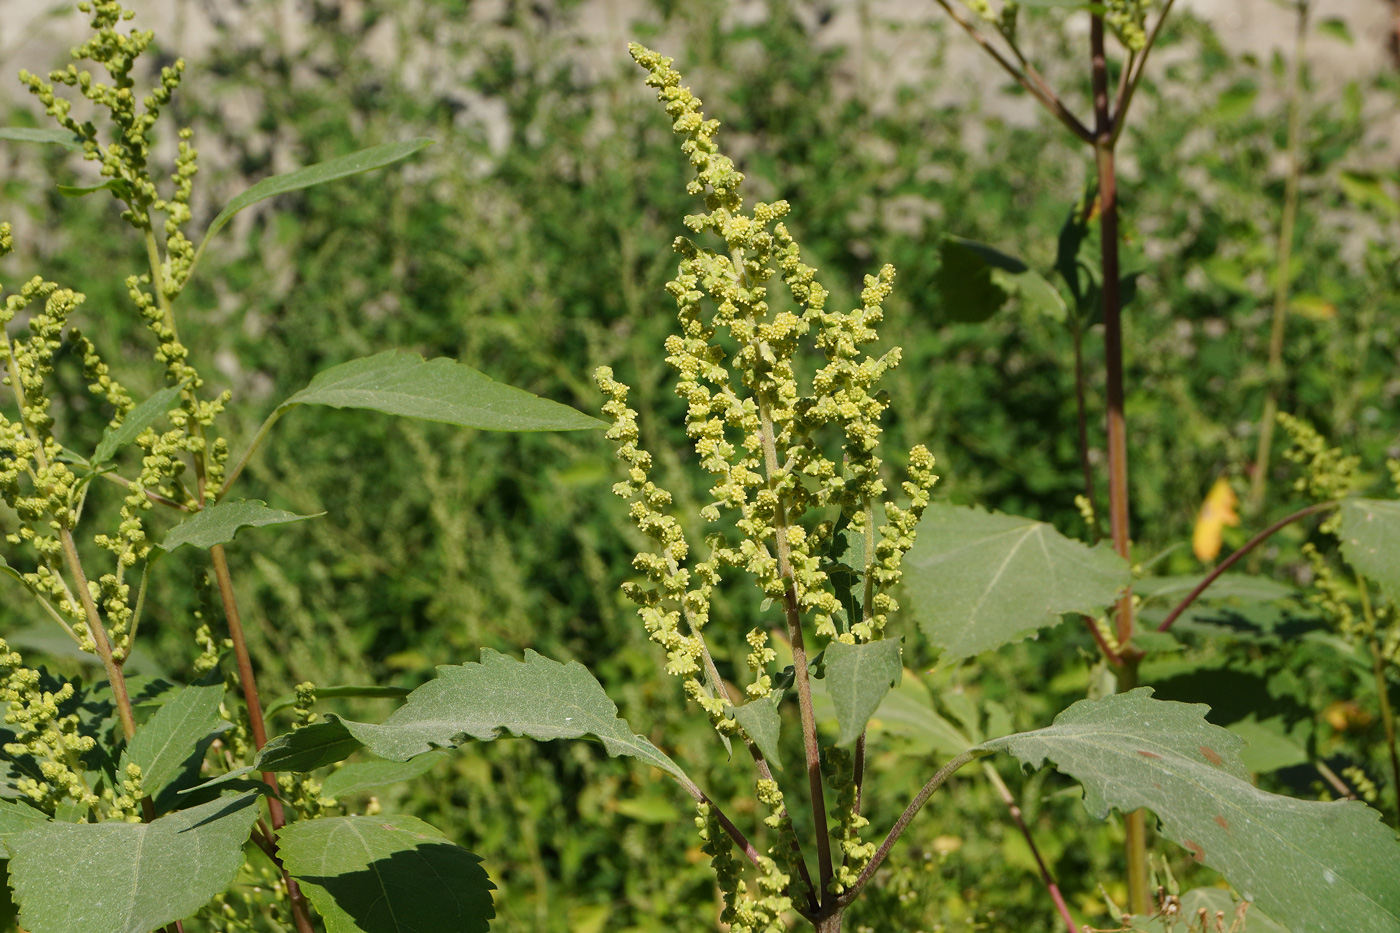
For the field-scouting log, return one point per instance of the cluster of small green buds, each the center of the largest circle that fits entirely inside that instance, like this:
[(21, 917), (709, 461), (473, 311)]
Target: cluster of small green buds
[(848, 823), (44, 733), (1128, 20), (124, 802), (1331, 596), (1327, 472)]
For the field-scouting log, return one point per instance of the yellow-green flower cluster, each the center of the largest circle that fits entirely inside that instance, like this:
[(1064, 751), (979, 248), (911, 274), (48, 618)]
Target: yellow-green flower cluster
[(847, 825), (743, 912), (44, 733), (1327, 472), (1128, 20)]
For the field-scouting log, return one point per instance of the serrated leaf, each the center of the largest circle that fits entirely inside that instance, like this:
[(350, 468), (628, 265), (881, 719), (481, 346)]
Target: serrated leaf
[(387, 874), (137, 420), (1370, 535), (363, 161), (308, 748), (400, 383), (219, 523), (367, 775), (28, 134), (857, 679), (762, 723), (177, 732), (1325, 866), (979, 580), (117, 877), (537, 697), (15, 818), (372, 691)]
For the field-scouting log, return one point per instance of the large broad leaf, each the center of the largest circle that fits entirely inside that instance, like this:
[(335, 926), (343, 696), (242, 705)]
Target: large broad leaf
[(218, 523), (1370, 536), (117, 877), (401, 383), (15, 818), (1324, 866), (980, 580), (537, 697), (367, 775), (176, 733), (762, 724), (857, 679), (31, 134), (311, 747), (137, 420), (387, 874), (363, 161)]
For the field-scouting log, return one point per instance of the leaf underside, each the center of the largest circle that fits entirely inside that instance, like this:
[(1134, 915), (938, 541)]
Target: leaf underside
[(1324, 866), (857, 679)]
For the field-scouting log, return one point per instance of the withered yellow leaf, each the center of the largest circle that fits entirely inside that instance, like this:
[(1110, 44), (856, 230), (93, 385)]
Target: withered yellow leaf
[(1216, 512)]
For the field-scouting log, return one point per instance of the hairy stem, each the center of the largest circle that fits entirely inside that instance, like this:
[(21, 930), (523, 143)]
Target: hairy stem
[(1006, 797), (1244, 549), (1260, 482)]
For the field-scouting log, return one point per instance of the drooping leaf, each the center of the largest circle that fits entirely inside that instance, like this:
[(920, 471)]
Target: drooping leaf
[(762, 723), (308, 748), (117, 877), (387, 874), (363, 161), (374, 691), (34, 134), (137, 420), (15, 818), (367, 775), (1370, 535), (175, 733), (218, 523), (401, 383), (538, 698), (1217, 512), (1325, 866), (979, 580), (857, 678)]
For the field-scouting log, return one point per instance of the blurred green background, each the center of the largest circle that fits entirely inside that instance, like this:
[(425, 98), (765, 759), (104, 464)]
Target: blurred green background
[(533, 241)]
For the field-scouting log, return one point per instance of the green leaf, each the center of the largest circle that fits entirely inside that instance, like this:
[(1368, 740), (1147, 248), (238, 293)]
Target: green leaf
[(1325, 866), (117, 877), (374, 691), (980, 580), (387, 874), (857, 679), (15, 818), (762, 723), (118, 185), (28, 134), (1364, 189), (363, 161), (537, 697), (907, 711), (1370, 535), (12, 573), (137, 420), (308, 748), (165, 744), (1240, 586), (218, 523), (367, 775), (401, 383), (1336, 27), (1269, 744), (966, 290)]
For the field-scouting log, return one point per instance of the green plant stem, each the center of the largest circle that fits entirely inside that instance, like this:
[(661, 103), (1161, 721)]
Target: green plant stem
[(902, 823), (1019, 818), (1382, 689), (1260, 482), (1135, 824), (1047, 98), (101, 642), (811, 750), (1244, 549), (1127, 88)]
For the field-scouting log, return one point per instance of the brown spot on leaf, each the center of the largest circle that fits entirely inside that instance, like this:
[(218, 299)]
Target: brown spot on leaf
[(1211, 756), (1197, 853), (1222, 822), (1147, 754)]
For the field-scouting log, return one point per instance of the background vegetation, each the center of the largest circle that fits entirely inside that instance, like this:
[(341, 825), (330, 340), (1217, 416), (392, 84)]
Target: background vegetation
[(533, 241)]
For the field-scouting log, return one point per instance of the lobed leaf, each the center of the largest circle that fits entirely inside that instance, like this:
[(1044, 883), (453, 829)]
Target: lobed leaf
[(219, 523), (979, 580), (387, 874), (538, 698), (1325, 866), (363, 161), (400, 383), (117, 877), (857, 679)]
